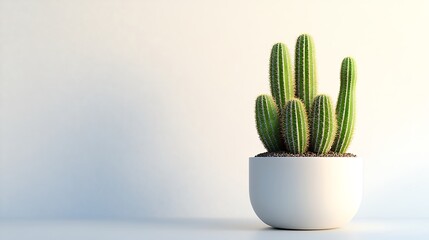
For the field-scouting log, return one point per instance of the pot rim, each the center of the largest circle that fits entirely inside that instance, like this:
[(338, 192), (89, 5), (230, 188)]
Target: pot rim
[(300, 158)]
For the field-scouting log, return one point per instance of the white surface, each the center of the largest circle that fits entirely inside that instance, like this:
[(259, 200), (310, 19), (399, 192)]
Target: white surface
[(189, 229), (305, 192), (139, 108)]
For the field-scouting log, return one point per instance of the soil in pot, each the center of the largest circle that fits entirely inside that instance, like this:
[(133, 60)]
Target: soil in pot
[(307, 154)]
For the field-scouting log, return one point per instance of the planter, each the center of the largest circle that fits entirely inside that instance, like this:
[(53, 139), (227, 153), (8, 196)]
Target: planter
[(305, 192)]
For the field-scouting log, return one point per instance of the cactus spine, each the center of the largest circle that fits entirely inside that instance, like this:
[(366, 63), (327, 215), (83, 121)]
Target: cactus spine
[(295, 127), (268, 123), (346, 106), (281, 78), (305, 70), (323, 124)]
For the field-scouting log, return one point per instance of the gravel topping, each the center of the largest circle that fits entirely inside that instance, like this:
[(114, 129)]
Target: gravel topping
[(307, 154)]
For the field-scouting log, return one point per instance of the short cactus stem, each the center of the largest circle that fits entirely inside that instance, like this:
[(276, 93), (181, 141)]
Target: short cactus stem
[(346, 106), (305, 70), (268, 123), (323, 124), (281, 77), (295, 127)]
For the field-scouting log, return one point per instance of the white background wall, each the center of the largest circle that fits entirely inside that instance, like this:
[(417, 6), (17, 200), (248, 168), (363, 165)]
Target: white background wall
[(132, 109)]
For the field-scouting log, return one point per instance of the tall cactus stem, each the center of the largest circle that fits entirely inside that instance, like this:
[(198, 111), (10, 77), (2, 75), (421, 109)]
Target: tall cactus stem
[(295, 127), (346, 106), (323, 124), (305, 70), (281, 77), (268, 123)]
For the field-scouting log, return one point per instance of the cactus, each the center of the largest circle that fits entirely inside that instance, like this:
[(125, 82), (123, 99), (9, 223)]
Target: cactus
[(295, 127), (346, 106), (281, 78), (305, 70), (294, 118), (267, 123), (323, 124)]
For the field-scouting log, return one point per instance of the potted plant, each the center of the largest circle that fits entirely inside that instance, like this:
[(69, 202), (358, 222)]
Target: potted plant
[(305, 180)]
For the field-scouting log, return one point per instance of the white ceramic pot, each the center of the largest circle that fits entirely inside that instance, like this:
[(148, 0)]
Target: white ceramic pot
[(305, 192)]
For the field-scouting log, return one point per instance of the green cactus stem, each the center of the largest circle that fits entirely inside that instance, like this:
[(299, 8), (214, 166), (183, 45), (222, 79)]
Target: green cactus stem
[(295, 127), (346, 106), (323, 124), (281, 78), (305, 70), (268, 123)]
